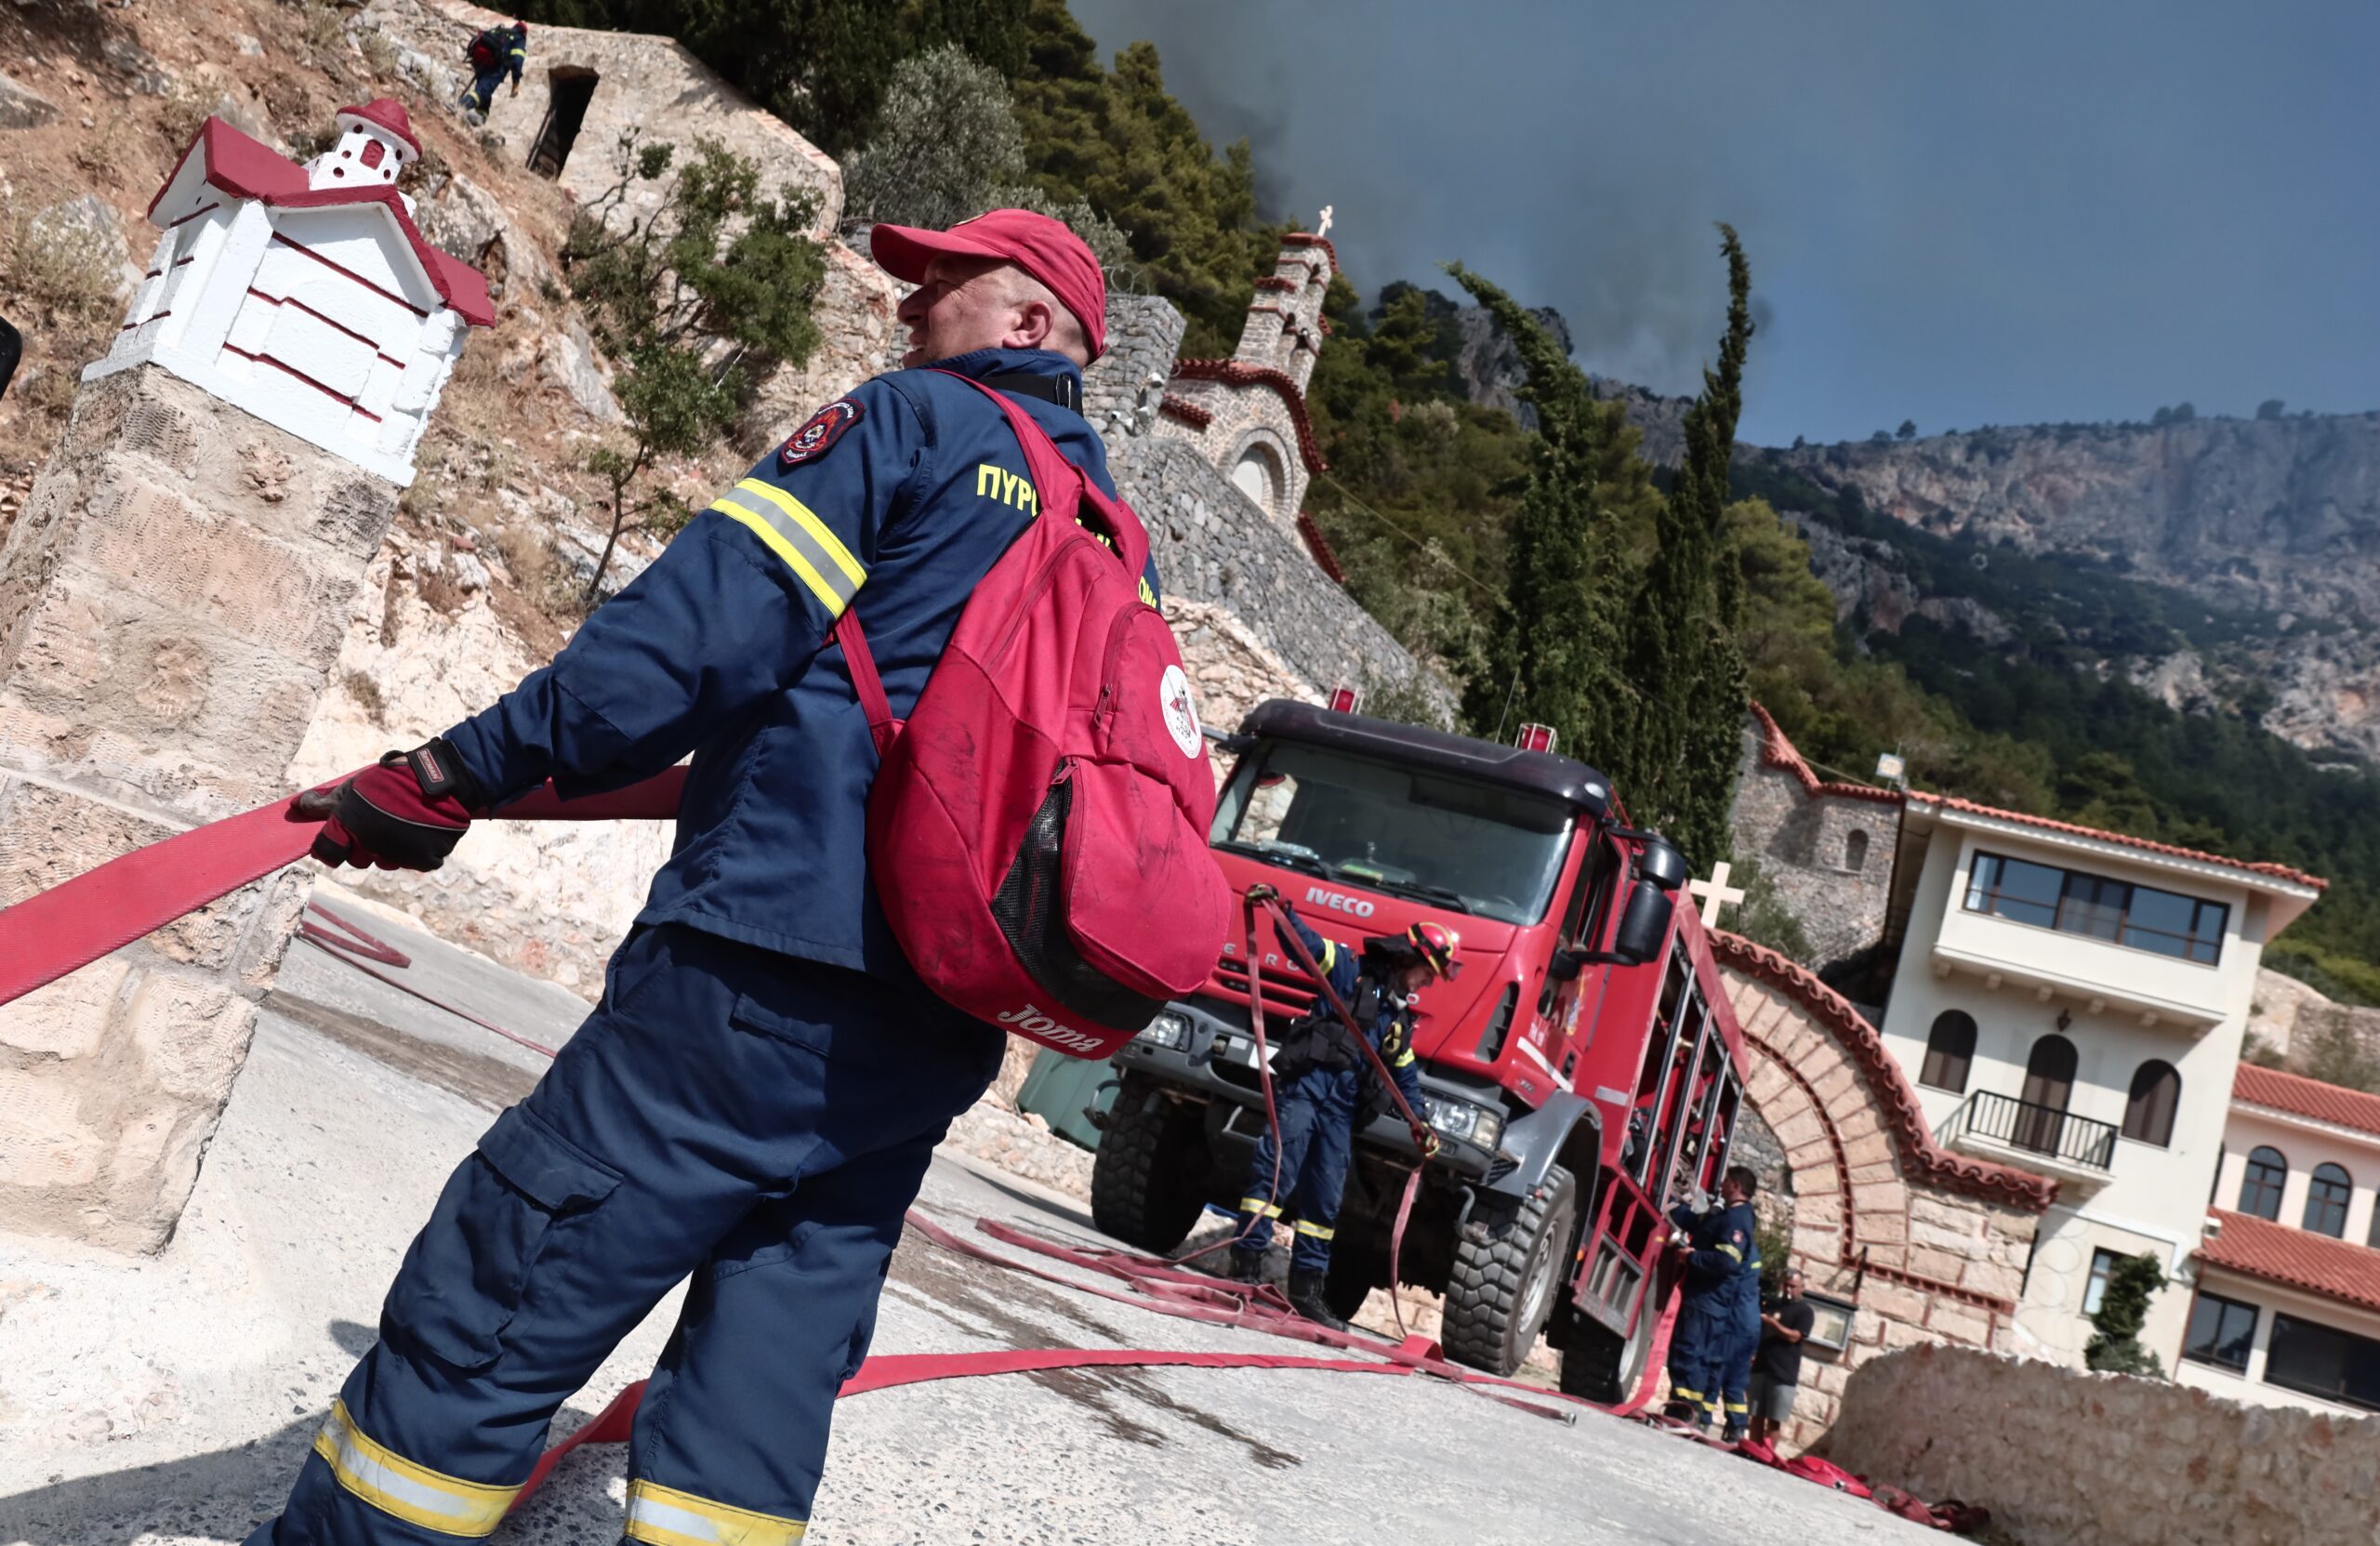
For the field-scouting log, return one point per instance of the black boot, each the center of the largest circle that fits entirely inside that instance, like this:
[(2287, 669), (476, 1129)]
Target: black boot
[(1305, 1298), (1244, 1266)]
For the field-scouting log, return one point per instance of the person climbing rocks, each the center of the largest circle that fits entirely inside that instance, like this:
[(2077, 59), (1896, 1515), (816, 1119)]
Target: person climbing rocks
[(494, 53)]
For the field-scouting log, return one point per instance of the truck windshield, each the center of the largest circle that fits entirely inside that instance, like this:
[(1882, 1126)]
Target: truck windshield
[(1448, 841)]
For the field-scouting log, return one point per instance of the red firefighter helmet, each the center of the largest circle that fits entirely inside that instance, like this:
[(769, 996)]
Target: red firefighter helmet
[(1435, 944)]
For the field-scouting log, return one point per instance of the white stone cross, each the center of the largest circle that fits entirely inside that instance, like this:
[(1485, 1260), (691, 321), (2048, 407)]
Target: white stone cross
[(1322, 228), (1715, 893)]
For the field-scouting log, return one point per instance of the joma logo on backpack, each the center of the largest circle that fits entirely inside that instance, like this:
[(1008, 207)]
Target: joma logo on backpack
[(1032, 1021), (993, 482)]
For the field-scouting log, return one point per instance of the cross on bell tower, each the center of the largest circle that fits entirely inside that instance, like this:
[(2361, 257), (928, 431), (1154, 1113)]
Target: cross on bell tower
[(1715, 893)]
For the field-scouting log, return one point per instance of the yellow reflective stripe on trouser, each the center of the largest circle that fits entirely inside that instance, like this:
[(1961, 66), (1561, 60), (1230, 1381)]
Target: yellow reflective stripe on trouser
[(795, 534), (1320, 1231), (1258, 1205), (1405, 1061), (1738, 1407), (1682, 1394), (396, 1486), (667, 1517)]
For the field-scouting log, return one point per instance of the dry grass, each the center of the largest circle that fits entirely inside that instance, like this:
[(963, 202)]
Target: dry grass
[(542, 579), (444, 595), (380, 54), (366, 693)]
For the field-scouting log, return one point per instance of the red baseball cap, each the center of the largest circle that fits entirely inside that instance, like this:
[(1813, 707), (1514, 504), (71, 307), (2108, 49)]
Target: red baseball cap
[(1046, 249)]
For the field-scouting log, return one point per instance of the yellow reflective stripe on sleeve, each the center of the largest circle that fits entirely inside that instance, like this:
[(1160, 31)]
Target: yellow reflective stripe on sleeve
[(1320, 1232), (399, 1487), (789, 529), (1329, 954), (1403, 1061), (667, 1517), (1731, 1250)]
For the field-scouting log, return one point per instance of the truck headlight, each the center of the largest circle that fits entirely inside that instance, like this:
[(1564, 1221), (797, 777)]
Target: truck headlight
[(1169, 1030), (1461, 1119)]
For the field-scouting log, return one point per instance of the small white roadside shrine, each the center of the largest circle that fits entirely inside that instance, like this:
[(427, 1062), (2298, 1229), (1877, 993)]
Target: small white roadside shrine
[(305, 294)]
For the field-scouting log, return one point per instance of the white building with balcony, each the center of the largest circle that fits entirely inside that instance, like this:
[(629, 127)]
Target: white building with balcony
[(2286, 1308), (2073, 1002)]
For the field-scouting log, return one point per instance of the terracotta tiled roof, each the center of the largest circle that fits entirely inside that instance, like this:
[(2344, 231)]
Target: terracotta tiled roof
[(1235, 373), (2294, 1257), (1319, 546), (1921, 1157), (1777, 752), (1187, 412), (1307, 239), (2303, 1097)]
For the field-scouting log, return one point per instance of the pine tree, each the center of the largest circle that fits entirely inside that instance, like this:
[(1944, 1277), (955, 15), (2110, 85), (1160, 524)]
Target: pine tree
[(1555, 656), (1684, 660)]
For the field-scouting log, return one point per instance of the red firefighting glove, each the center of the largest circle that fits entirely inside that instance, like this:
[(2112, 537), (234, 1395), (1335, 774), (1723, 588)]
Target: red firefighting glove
[(407, 814)]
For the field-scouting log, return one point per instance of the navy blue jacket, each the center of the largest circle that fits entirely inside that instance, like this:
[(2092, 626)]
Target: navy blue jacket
[(895, 499), (1722, 1266), (1391, 1033)]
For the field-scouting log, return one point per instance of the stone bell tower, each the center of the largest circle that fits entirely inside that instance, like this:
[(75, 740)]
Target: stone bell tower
[(171, 601)]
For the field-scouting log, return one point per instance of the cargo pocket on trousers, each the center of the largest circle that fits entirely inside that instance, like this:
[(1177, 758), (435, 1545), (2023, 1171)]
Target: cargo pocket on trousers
[(464, 1276)]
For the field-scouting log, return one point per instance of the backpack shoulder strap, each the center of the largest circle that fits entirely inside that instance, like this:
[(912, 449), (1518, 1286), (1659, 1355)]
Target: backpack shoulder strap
[(1050, 469), (868, 686)]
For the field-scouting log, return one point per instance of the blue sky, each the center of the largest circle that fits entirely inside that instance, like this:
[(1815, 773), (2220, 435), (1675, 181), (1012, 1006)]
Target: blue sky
[(1957, 213)]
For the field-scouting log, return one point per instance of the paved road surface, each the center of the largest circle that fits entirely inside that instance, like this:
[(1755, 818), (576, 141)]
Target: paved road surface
[(169, 1401)]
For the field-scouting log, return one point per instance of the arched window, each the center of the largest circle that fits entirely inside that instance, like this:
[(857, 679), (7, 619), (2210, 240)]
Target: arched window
[(2049, 1085), (2156, 1091), (1258, 475), (1949, 1051), (2260, 1188), (2326, 1195), (1855, 852)]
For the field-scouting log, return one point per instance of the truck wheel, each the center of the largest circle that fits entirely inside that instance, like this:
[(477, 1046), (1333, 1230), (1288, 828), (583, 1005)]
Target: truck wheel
[(1145, 1178), (1605, 1368), (1508, 1267)]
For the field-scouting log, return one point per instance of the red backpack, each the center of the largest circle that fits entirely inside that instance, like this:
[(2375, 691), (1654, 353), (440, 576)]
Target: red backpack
[(487, 49), (1037, 831)]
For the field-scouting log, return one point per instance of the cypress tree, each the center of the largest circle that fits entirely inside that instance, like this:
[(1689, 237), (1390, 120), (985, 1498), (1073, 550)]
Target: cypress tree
[(1553, 656), (1684, 660)]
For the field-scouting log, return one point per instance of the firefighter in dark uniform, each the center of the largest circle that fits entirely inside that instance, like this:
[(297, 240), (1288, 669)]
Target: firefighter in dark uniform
[(493, 54), (755, 1100), (1325, 1093), (1735, 1369), (1723, 1250)]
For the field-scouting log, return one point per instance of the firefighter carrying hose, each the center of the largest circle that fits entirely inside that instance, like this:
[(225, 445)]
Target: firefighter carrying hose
[(1722, 1266), (754, 1102), (1326, 1093)]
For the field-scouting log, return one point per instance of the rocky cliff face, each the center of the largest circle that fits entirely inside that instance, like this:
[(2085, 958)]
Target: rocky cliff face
[(1489, 369), (2278, 517)]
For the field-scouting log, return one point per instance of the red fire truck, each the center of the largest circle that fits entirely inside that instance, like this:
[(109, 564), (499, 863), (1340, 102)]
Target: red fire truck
[(1583, 1073)]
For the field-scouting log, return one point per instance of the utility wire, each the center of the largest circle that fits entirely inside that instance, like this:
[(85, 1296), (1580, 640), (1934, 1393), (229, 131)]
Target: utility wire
[(1345, 493)]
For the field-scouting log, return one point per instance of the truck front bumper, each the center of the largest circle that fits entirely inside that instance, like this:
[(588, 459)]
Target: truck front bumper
[(1206, 1049)]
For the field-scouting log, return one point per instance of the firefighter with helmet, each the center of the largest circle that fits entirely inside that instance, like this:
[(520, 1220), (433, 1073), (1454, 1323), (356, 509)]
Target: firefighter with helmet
[(1325, 1093), (493, 54), (751, 1107), (1722, 1269)]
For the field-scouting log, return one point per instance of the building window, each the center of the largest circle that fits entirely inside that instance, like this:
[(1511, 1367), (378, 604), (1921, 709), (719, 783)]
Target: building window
[(2326, 1195), (1949, 1051), (2373, 1237), (2260, 1188), (2148, 1116), (1855, 852), (2049, 1085), (2316, 1360), (2103, 1265), (2075, 903), (2220, 1332)]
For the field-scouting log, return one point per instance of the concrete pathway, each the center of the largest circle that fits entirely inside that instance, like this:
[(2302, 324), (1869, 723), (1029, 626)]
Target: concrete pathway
[(170, 1400)]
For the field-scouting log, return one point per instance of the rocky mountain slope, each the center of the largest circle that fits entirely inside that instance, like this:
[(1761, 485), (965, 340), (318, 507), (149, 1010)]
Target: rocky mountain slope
[(2273, 522)]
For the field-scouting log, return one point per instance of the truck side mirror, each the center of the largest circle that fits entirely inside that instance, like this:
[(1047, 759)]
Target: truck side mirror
[(1644, 925), (1661, 865)]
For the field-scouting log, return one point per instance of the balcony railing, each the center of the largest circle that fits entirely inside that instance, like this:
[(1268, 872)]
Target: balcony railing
[(2036, 1129)]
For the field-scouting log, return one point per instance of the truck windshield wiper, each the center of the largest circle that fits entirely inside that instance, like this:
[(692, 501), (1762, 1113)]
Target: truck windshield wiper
[(1282, 854), (1423, 890)]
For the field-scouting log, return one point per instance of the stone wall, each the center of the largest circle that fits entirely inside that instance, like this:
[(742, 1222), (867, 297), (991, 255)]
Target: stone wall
[(2103, 1460), (170, 604), (1826, 846), (1926, 1245)]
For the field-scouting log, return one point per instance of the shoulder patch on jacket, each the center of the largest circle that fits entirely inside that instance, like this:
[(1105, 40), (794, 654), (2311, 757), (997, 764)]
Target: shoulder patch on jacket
[(817, 437)]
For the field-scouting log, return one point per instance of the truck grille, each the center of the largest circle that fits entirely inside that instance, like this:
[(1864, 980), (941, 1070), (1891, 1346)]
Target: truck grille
[(1287, 991)]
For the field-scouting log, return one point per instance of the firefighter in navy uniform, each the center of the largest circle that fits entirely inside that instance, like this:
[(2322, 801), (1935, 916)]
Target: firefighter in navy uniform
[(755, 1100), (1723, 1248), (1325, 1093), (495, 53)]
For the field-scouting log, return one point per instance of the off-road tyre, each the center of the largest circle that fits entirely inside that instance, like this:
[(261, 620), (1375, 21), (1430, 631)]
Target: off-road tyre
[(1509, 1263), (1605, 1368), (1145, 1178)]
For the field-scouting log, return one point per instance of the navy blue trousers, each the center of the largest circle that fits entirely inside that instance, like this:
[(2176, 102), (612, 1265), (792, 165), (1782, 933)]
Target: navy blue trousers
[(482, 96), (1734, 1373), (758, 1122), (1699, 1344), (1317, 1116)]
